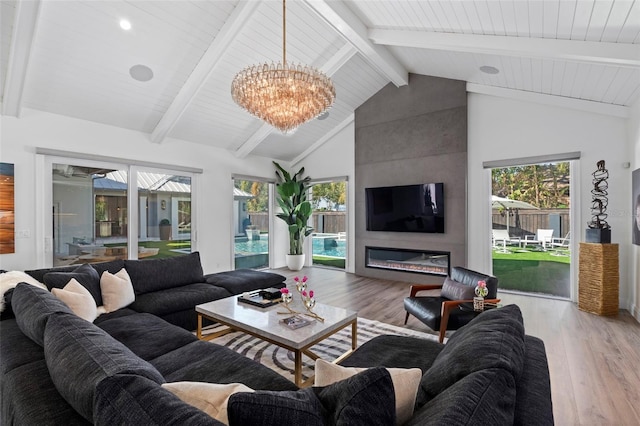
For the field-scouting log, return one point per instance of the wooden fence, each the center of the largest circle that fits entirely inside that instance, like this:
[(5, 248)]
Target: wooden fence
[(326, 222), (526, 223)]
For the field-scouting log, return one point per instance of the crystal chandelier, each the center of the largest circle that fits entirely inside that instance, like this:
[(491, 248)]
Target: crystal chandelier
[(284, 95)]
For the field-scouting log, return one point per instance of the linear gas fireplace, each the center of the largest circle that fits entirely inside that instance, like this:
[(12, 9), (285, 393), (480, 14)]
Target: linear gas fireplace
[(406, 260)]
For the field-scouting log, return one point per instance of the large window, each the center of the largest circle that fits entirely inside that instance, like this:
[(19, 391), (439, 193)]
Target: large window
[(329, 239), (98, 215), (251, 223)]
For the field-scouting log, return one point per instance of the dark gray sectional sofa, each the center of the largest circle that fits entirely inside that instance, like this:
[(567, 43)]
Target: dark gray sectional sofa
[(56, 368)]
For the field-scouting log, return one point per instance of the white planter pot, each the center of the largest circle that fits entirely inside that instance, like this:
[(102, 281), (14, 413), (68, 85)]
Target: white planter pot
[(295, 262)]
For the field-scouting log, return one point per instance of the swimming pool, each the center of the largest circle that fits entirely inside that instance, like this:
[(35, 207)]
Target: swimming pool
[(321, 246)]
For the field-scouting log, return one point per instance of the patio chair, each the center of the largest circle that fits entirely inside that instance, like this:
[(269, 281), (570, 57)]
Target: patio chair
[(561, 246), (543, 238), (500, 238)]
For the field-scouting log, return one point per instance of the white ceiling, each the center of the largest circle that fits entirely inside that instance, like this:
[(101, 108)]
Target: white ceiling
[(72, 58)]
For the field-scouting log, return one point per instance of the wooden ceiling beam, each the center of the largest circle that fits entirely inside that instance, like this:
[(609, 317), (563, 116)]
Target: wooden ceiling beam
[(25, 25), (349, 26), (198, 78)]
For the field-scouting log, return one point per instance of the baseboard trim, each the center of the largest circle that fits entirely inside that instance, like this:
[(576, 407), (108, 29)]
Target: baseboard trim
[(635, 312)]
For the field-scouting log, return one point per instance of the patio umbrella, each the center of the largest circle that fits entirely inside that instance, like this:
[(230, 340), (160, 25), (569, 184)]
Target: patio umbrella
[(508, 204)]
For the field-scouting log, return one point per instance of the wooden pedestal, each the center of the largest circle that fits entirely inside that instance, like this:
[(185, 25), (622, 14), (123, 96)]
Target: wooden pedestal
[(598, 279)]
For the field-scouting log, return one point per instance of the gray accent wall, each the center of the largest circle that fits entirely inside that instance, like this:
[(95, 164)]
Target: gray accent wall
[(409, 135)]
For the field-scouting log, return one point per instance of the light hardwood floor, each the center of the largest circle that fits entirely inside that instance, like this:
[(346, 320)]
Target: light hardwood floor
[(594, 361)]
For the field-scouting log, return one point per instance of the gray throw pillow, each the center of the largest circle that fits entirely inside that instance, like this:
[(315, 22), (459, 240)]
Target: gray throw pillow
[(85, 275), (364, 399), (453, 290), (80, 355), (32, 307)]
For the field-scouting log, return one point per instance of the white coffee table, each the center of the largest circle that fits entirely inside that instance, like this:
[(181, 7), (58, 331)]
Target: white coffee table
[(264, 323)]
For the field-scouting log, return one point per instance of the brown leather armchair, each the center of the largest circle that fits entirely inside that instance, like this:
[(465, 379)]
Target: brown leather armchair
[(441, 313)]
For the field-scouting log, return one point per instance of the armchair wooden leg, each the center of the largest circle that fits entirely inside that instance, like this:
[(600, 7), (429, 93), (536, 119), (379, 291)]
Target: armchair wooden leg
[(444, 320), (406, 318)]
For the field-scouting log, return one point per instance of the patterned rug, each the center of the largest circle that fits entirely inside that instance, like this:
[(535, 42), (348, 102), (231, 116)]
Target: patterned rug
[(282, 360)]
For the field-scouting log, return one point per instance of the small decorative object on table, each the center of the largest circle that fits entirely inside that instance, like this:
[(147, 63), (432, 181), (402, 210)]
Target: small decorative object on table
[(301, 284), (307, 299), (481, 293), (295, 321)]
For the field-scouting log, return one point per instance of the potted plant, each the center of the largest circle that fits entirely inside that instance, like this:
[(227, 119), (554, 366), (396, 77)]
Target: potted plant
[(165, 230), (291, 195)]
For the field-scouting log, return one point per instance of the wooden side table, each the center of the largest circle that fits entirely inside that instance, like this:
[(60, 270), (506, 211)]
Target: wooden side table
[(598, 279)]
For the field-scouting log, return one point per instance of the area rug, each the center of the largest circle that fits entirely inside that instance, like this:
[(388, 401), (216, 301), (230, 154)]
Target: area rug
[(282, 360)]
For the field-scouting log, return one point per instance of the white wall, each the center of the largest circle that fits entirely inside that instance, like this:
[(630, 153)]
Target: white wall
[(502, 128), (633, 129), (336, 158), (20, 137)]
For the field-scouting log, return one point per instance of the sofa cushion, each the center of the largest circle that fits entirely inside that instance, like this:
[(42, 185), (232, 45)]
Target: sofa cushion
[(32, 307), (78, 299), (494, 339), (364, 399), (242, 280), (29, 397), (117, 290), (112, 266), (177, 299), (533, 390), (202, 361), (395, 352), (84, 274), (126, 399), (454, 290), (405, 383), (146, 335), (159, 274), (79, 355), (484, 397)]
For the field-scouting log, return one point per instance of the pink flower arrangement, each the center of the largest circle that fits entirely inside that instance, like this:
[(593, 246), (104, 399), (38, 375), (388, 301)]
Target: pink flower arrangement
[(481, 289), (284, 290)]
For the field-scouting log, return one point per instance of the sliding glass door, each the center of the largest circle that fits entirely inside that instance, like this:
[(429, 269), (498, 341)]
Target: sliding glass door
[(329, 238), (92, 216), (251, 223)]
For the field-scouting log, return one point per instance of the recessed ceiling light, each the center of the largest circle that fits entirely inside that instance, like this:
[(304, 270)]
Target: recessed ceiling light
[(489, 69), (323, 116), (125, 25), (141, 72)]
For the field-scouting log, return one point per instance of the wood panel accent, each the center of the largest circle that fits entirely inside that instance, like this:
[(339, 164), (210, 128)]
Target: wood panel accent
[(598, 278), (593, 360)]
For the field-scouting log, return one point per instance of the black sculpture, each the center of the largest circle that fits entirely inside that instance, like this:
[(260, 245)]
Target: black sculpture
[(599, 230)]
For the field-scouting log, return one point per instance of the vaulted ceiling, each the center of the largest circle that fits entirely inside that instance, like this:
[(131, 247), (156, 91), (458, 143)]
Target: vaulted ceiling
[(73, 58)]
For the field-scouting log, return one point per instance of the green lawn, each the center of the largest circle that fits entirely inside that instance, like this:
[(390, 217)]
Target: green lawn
[(545, 272), (329, 261), (164, 246)]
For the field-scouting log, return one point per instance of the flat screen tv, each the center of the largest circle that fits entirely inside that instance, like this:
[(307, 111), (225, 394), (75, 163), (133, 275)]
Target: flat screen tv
[(407, 208)]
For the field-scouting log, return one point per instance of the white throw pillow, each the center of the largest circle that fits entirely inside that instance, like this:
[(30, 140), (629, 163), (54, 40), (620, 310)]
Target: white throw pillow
[(405, 384), (212, 398), (10, 279), (78, 299), (117, 290)]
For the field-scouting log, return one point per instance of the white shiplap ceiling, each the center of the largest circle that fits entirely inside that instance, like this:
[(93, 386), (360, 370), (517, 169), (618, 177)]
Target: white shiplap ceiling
[(72, 58)]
